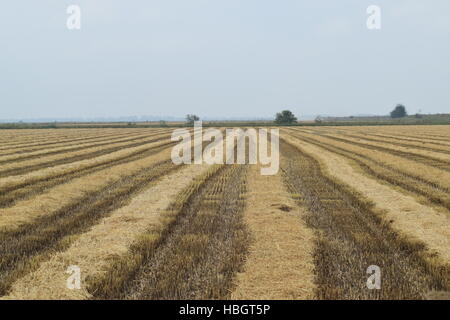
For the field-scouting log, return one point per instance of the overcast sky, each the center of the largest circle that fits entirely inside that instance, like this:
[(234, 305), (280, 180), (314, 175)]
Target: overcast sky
[(222, 58)]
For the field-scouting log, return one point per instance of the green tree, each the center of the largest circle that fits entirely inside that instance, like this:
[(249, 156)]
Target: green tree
[(285, 117), (190, 118), (399, 111)]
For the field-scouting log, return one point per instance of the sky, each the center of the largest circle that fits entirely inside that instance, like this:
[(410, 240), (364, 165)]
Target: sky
[(222, 58)]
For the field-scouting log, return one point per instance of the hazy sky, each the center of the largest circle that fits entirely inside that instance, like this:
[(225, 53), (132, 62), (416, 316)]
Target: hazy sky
[(222, 58)]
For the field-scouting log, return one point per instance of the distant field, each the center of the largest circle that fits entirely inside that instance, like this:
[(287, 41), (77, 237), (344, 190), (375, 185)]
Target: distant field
[(432, 119), (111, 202)]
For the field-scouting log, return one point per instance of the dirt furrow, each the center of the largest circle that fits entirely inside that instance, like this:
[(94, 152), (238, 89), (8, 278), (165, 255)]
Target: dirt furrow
[(388, 142), (26, 154), (112, 236), (436, 194), (352, 237), (10, 195), (23, 248), (405, 139), (45, 164), (16, 148), (19, 142), (198, 252), (430, 161)]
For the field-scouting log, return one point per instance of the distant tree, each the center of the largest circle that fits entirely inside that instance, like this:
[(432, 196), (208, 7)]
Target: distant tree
[(419, 115), (162, 123), (399, 111), (190, 118), (285, 117)]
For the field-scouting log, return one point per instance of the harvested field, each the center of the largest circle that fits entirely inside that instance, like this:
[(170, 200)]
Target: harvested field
[(351, 237), (111, 202)]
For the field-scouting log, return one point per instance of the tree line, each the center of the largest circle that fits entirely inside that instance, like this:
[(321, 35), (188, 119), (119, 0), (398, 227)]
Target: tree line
[(287, 117)]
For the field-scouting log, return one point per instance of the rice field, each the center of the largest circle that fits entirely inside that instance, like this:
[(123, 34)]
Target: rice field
[(111, 203)]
